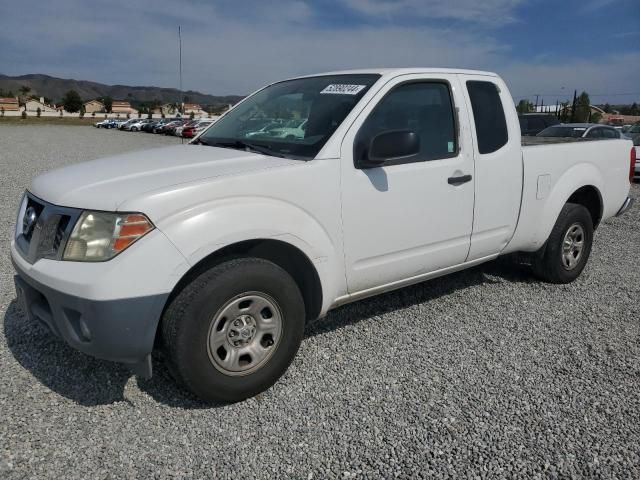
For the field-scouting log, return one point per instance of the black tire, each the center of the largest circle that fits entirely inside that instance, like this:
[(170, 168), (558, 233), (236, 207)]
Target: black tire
[(549, 264), (187, 322)]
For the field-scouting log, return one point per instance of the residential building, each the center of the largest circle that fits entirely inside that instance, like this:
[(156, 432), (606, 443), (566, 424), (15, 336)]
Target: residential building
[(94, 106), (32, 105), (9, 104), (122, 107), (194, 108)]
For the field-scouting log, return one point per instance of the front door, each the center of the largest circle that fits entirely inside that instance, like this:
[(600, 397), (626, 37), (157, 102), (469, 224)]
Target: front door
[(412, 215)]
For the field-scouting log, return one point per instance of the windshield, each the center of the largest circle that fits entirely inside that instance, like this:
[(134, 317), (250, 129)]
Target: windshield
[(294, 118), (575, 132)]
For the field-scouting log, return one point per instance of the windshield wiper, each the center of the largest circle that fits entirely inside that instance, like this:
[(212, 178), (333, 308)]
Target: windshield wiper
[(242, 145)]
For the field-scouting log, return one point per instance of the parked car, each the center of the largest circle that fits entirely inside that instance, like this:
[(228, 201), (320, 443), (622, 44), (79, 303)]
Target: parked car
[(151, 125), (170, 129), (124, 124), (220, 251), (166, 128), (193, 130), (137, 126), (162, 124), (581, 130), (178, 130), (633, 132), (534, 123), (106, 123)]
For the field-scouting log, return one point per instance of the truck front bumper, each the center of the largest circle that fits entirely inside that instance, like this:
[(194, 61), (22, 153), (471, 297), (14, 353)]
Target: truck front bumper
[(109, 310), (110, 329)]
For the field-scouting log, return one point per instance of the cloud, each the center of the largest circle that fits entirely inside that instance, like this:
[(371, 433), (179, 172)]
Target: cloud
[(556, 81), (235, 51), (489, 12)]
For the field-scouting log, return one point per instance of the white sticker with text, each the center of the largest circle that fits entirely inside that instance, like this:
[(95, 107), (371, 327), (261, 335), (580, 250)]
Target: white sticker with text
[(341, 89)]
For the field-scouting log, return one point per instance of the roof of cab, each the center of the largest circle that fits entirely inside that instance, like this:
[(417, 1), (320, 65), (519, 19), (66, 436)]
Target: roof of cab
[(402, 71)]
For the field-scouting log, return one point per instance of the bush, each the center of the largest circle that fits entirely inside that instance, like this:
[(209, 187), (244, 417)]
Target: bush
[(93, 114), (61, 110), (128, 115), (2, 111), (38, 112), (24, 114)]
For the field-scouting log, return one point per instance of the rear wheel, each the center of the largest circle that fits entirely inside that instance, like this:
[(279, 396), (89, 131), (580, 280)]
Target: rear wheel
[(234, 330), (567, 250)]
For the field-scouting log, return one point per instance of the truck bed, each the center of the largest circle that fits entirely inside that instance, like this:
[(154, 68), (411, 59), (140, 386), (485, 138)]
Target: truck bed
[(528, 141)]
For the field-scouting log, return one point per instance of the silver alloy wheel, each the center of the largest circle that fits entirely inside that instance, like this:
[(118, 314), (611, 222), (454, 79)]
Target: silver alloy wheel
[(244, 333), (572, 246)]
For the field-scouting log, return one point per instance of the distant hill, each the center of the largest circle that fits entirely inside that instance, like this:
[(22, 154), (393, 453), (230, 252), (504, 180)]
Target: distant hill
[(55, 88)]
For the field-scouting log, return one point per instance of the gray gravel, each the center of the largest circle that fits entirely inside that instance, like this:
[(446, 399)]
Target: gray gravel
[(485, 373)]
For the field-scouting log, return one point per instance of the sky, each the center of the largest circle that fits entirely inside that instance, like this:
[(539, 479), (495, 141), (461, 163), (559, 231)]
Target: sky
[(543, 47)]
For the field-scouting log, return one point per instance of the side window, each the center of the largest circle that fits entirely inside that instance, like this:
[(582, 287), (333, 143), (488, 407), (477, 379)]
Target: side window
[(425, 108), (609, 133), (488, 114)]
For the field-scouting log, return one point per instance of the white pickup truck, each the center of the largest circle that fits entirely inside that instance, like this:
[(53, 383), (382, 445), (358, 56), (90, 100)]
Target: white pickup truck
[(221, 250)]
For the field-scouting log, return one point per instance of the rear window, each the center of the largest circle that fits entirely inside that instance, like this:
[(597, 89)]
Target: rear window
[(488, 115)]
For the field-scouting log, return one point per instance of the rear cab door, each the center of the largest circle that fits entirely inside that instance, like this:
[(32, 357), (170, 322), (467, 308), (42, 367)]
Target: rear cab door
[(498, 167)]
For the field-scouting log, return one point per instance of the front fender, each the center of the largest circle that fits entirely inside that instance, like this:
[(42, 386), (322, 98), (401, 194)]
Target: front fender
[(202, 230)]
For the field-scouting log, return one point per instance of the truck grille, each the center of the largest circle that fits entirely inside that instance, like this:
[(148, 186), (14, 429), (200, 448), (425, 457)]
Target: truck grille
[(44, 228)]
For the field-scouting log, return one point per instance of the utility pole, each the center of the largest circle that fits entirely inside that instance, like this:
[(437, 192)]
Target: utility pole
[(180, 103)]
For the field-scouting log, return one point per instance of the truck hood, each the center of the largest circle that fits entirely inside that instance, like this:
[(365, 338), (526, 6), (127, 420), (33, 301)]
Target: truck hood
[(106, 183)]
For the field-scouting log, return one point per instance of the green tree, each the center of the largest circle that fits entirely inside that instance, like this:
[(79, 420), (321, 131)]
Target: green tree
[(72, 101), (583, 108), (606, 108), (524, 106), (108, 103), (24, 90)]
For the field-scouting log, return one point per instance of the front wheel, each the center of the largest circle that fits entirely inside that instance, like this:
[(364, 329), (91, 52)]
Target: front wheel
[(234, 330), (567, 250)]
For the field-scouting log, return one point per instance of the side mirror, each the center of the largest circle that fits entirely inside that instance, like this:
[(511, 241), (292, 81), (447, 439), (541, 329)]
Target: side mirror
[(391, 145)]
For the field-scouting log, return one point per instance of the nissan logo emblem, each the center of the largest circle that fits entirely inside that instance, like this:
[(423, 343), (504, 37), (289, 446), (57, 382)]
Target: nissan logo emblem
[(29, 220)]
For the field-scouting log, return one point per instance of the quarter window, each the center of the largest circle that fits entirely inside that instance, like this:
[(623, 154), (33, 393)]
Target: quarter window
[(488, 115), (425, 108)]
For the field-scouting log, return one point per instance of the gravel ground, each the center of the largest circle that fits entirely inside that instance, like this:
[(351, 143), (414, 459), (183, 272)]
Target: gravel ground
[(485, 373)]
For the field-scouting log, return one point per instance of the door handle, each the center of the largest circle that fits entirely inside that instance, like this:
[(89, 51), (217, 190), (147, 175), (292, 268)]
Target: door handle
[(455, 181)]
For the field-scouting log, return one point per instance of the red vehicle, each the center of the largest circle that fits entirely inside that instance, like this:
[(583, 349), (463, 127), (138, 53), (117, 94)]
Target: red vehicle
[(191, 131)]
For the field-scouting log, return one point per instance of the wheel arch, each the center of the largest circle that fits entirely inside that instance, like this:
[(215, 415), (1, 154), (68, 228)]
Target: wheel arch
[(287, 256), (589, 197)]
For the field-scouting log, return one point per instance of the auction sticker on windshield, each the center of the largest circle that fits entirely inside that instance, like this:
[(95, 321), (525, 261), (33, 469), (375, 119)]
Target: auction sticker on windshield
[(342, 89)]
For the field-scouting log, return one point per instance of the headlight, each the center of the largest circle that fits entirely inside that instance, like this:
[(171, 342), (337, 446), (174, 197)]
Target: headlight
[(99, 236)]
